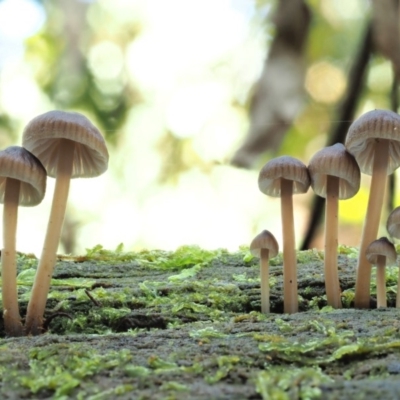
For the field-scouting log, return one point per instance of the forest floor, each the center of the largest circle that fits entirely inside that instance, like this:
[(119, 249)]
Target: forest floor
[(187, 325)]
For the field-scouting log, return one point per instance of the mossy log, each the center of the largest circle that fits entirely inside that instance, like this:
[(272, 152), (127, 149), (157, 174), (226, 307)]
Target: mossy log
[(187, 324)]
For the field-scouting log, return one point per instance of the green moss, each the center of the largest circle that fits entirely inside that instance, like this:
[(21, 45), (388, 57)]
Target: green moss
[(350, 252), (225, 365), (173, 386), (62, 368), (207, 333), (293, 383), (183, 257), (160, 365)]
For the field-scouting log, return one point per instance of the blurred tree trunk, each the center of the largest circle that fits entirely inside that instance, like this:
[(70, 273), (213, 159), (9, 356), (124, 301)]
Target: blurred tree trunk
[(279, 93), (70, 74)]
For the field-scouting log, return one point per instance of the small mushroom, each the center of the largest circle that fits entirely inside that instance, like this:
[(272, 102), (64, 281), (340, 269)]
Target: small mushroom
[(22, 182), (282, 177), (381, 252), (334, 175), (264, 246), (69, 146), (393, 228), (374, 141)]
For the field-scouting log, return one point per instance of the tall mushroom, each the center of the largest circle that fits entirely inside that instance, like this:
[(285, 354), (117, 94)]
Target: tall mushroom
[(22, 182), (282, 177), (381, 252), (334, 175), (393, 228), (265, 246), (374, 141), (69, 146)]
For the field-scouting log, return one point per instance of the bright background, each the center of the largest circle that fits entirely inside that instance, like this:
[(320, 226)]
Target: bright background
[(168, 82)]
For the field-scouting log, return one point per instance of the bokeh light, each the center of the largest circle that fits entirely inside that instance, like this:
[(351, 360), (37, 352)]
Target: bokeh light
[(325, 82), (106, 60), (20, 19)]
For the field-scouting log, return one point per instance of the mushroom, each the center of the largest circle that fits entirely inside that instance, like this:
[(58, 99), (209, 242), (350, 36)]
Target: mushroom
[(264, 246), (381, 252), (282, 177), (393, 228), (334, 175), (22, 182), (374, 141), (69, 146)]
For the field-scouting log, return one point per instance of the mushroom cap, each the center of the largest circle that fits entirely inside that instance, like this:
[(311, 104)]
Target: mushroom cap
[(335, 161), (264, 240), (393, 223), (366, 130), (381, 247), (269, 179), (42, 138), (18, 163)]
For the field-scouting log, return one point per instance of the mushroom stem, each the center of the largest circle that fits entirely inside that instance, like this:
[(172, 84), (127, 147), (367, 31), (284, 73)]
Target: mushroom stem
[(264, 276), (41, 285), (381, 282), (289, 252), (398, 291), (11, 316), (371, 223), (332, 286)]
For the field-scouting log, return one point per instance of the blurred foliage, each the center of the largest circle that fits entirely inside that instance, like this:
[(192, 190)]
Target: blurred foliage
[(59, 56), (7, 129)]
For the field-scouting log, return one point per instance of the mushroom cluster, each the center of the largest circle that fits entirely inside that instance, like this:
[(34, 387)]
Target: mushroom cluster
[(372, 146), (62, 145)]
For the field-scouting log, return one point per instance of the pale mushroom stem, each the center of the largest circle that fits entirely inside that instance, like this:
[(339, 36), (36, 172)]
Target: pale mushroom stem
[(381, 282), (11, 316), (290, 299), (371, 223), (264, 276), (41, 285), (398, 291), (332, 286)]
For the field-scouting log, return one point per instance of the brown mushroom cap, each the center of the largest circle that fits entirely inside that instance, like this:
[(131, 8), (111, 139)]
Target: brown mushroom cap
[(264, 240), (283, 167), (372, 126), (41, 137), (393, 223), (337, 162), (381, 247), (18, 163)]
